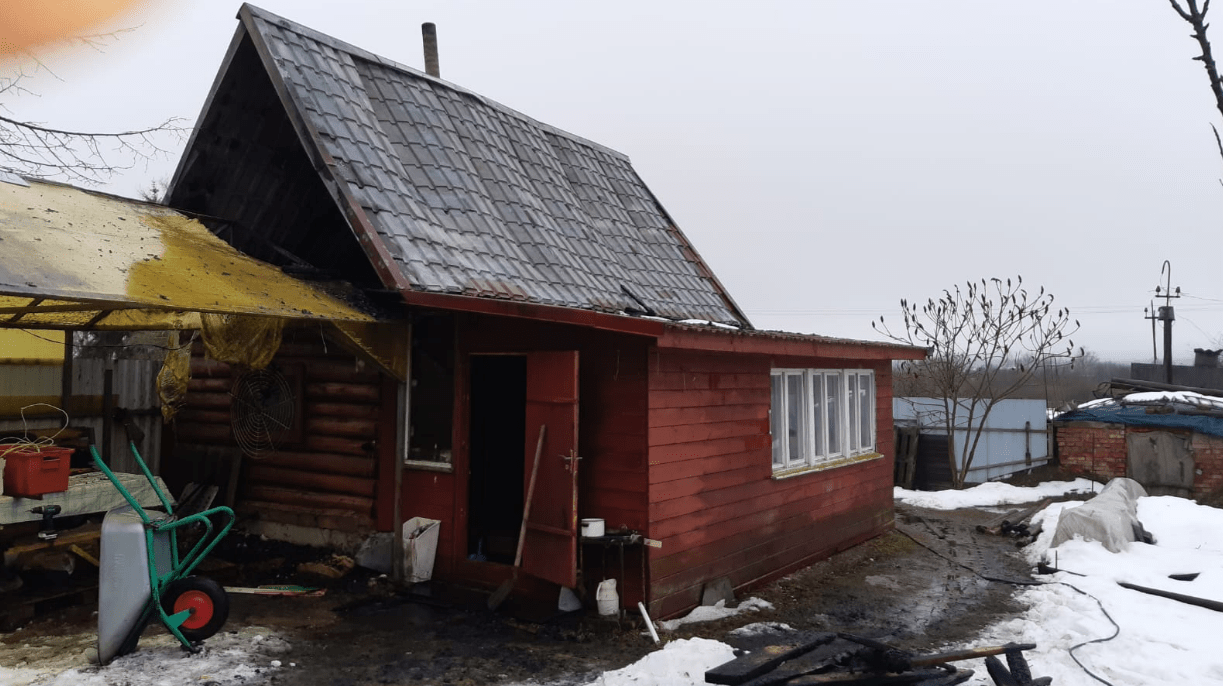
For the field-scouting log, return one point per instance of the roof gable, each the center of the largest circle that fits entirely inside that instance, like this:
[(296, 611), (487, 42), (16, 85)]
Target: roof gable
[(459, 195)]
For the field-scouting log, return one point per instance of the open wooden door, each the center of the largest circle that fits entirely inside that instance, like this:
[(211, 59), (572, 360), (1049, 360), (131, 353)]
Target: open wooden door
[(550, 549)]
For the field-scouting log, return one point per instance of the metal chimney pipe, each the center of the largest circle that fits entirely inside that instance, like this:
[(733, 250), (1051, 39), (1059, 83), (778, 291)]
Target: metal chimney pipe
[(429, 31)]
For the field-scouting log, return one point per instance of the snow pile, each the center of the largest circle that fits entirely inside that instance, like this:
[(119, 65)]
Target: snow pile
[(762, 629), (679, 663), (1188, 398), (992, 494), (229, 658), (709, 613), (1161, 641)]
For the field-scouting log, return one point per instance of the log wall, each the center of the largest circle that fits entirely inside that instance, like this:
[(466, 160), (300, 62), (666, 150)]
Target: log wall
[(326, 474)]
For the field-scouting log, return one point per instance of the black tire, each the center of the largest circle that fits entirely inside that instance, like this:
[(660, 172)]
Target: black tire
[(209, 602)]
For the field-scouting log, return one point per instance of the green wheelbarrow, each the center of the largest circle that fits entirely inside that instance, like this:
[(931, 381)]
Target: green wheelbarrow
[(142, 575)]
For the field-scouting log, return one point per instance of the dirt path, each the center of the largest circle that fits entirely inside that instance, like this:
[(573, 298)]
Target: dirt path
[(892, 588)]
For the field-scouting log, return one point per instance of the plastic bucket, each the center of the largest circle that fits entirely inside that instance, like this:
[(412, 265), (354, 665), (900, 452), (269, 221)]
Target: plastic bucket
[(592, 528), (607, 598), (419, 548)]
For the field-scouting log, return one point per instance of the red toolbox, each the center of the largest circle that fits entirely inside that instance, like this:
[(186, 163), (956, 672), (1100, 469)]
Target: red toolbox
[(29, 473)]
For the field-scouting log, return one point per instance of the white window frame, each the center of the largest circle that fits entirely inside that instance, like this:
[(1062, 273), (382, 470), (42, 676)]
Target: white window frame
[(813, 438)]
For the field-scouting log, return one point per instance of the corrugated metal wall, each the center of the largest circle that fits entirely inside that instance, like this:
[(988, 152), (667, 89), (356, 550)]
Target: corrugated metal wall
[(135, 390), (1015, 436)]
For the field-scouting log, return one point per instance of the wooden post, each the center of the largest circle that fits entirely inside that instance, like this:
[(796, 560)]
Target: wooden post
[(403, 433)]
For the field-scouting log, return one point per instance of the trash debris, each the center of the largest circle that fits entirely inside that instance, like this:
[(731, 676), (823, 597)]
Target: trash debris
[(827, 658), (272, 589), (334, 567)]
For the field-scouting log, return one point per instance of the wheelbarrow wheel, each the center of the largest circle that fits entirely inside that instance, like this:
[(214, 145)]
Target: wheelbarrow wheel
[(205, 598)]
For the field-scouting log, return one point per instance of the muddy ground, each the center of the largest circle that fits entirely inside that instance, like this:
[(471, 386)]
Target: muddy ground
[(906, 587)]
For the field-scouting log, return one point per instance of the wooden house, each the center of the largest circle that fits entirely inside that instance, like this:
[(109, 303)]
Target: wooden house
[(539, 284)]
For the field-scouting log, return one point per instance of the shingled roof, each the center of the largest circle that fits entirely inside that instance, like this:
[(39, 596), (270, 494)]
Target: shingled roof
[(451, 193)]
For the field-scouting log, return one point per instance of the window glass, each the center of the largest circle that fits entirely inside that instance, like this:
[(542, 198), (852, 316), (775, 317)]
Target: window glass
[(852, 407), (776, 420), (795, 424), (832, 399), (866, 392), (817, 415)]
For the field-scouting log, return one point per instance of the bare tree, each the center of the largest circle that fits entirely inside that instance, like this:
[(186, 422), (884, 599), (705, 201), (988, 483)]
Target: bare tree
[(36, 150), (985, 343), (1196, 16)]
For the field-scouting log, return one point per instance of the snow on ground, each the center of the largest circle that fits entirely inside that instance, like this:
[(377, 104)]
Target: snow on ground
[(762, 629), (1161, 641), (245, 657), (679, 663), (992, 494), (709, 613)]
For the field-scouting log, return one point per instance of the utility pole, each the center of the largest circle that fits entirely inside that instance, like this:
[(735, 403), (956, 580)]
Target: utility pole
[(1167, 314)]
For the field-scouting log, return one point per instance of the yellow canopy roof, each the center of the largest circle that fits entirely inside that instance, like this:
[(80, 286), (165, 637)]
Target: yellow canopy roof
[(75, 259)]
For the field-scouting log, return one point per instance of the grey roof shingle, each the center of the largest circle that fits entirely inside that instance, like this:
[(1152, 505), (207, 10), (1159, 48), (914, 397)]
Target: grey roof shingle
[(471, 197)]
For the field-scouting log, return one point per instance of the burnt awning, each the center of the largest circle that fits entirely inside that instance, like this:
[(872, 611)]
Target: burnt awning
[(76, 259)]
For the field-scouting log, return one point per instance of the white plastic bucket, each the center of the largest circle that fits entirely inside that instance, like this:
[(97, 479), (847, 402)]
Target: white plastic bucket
[(592, 528), (419, 548), (607, 598)]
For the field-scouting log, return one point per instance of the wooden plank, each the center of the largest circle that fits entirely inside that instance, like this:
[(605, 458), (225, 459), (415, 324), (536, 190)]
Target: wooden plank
[(342, 426), (680, 488), (710, 448), (348, 410), (208, 400), (190, 415), (694, 433), (683, 469), (203, 433), (335, 444), (343, 392), (258, 472), (747, 667), (288, 496), (701, 527), (203, 367), (335, 519), (797, 537), (662, 361), (684, 416), (222, 384), (761, 569), (323, 463), (340, 371), (706, 380), (711, 398)]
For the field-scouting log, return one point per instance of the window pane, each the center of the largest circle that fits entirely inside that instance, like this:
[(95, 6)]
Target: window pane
[(817, 415), (795, 416), (854, 434), (866, 393), (776, 417), (832, 396)]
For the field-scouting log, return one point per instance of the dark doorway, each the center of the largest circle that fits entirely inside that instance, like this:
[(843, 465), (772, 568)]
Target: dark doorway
[(498, 433)]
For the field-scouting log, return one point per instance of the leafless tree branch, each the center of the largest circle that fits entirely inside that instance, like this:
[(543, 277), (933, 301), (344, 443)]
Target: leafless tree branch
[(984, 342)]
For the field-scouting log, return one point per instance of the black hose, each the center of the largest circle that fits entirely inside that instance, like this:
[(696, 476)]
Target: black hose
[(1030, 582)]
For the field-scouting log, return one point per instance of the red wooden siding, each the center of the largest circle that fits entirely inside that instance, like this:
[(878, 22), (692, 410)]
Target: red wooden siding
[(611, 442), (712, 499), (329, 477)]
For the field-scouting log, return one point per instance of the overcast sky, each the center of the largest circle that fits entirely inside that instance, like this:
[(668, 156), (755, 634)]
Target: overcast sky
[(827, 157)]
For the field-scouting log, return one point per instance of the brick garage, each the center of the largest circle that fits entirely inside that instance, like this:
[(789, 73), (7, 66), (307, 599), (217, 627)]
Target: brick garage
[(1100, 449)]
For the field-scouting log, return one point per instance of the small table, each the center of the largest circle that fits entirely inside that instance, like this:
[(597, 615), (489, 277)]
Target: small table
[(87, 493), (619, 541)]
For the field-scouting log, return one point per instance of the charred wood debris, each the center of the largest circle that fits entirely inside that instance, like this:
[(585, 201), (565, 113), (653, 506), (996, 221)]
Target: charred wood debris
[(828, 659)]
